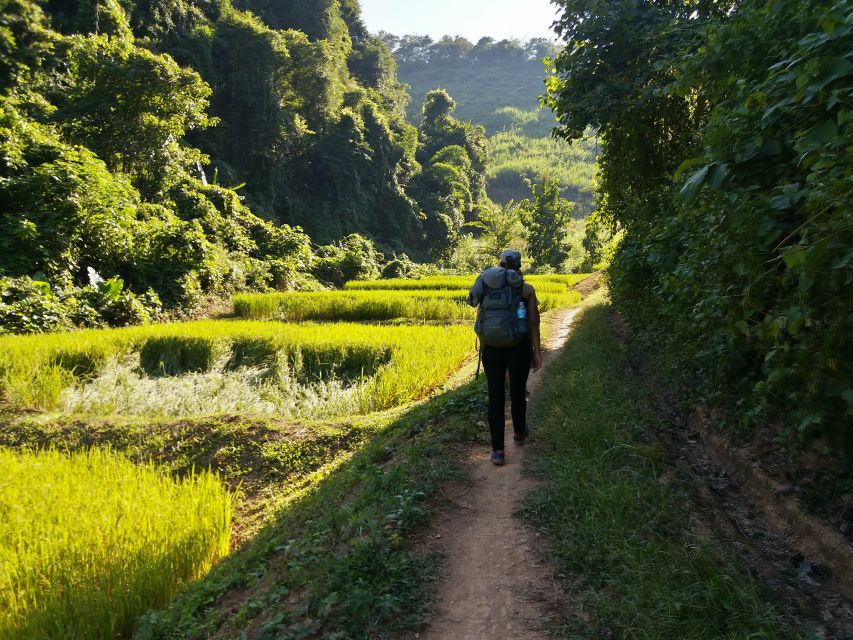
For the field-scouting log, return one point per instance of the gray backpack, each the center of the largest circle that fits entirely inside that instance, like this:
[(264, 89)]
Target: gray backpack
[(498, 293)]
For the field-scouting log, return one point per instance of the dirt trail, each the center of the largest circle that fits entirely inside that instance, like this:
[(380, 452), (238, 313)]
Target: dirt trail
[(495, 585)]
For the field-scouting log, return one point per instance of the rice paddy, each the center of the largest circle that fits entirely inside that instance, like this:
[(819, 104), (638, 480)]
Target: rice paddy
[(371, 305), (90, 541), (90, 531)]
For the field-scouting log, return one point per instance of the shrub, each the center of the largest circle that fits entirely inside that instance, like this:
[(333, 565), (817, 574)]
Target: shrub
[(353, 258), (29, 306)]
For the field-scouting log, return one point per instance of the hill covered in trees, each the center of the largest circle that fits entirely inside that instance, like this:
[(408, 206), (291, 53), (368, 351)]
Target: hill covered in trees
[(187, 147), (497, 84)]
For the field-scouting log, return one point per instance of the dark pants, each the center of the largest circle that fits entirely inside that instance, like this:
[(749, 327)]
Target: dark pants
[(496, 362)]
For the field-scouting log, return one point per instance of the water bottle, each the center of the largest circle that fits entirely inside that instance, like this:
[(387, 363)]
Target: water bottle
[(521, 316)]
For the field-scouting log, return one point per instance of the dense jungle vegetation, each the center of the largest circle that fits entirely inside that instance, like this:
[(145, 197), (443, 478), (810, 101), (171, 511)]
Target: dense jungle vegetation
[(726, 162), (505, 100), (155, 153)]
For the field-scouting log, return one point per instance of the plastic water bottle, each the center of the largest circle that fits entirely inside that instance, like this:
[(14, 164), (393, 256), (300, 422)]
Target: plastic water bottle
[(521, 317)]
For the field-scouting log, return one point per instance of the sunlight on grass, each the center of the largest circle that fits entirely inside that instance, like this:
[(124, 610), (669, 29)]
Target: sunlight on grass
[(90, 541)]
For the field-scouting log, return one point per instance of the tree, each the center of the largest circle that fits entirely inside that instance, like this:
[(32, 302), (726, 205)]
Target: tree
[(501, 229), (546, 218)]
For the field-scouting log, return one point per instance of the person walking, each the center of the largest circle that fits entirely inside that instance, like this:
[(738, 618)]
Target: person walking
[(508, 327)]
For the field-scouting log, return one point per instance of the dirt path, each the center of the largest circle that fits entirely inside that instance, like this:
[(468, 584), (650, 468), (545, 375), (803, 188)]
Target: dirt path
[(494, 585)]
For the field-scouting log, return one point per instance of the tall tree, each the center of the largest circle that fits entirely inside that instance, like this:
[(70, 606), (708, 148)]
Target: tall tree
[(546, 217)]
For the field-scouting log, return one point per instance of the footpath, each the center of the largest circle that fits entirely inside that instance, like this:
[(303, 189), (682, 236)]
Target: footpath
[(495, 584)]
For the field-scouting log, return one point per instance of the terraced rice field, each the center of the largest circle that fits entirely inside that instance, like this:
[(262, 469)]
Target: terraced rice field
[(285, 389)]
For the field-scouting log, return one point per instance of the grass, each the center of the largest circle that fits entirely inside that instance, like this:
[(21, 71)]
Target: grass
[(337, 560), (386, 366), (376, 304), (90, 541), (618, 526)]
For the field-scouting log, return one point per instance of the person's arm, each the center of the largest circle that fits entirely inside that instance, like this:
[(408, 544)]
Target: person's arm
[(533, 323), (475, 295)]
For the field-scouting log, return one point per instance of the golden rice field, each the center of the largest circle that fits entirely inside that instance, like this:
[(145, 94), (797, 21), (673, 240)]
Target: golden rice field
[(90, 541)]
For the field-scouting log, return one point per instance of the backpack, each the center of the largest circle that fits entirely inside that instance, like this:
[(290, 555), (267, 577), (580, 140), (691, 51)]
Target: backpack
[(498, 291)]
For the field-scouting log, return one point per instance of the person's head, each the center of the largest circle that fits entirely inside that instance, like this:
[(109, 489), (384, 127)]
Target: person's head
[(511, 259)]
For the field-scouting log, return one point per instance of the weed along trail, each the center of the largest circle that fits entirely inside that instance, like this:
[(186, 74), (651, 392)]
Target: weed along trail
[(494, 583)]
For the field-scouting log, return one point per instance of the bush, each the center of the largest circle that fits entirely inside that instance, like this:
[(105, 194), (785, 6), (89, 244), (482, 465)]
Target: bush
[(354, 258), (399, 267), (29, 306)]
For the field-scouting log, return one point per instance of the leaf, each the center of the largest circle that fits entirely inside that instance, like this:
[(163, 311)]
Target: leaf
[(794, 259), (824, 133), (688, 164), (838, 68), (691, 188), (112, 288), (780, 202)]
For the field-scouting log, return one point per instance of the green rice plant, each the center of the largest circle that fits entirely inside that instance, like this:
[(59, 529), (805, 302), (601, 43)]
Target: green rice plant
[(174, 355), (90, 541), (371, 367), (377, 304), (566, 279), (444, 283)]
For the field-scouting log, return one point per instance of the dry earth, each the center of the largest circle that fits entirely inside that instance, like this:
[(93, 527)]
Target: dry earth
[(495, 584)]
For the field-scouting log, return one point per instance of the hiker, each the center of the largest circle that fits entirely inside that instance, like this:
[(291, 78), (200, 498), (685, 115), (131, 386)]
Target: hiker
[(508, 328)]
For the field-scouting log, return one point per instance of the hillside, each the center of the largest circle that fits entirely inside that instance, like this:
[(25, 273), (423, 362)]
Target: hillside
[(498, 84), (156, 153)]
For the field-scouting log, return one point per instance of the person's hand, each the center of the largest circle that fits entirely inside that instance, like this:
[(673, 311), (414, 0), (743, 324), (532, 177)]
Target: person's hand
[(537, 360)]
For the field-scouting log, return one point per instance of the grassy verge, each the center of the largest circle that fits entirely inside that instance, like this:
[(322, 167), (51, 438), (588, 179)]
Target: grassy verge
[(337, 561), (619, 528)]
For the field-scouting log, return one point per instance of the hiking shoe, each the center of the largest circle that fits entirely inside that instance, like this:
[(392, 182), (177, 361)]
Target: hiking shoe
[(498, 458), (520, 438)]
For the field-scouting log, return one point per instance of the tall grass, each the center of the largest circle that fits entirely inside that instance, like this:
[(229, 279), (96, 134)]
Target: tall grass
[(88, 542), (388, 365), (376, 304)]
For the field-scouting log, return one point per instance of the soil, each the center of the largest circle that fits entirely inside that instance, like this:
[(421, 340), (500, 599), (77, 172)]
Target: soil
[(800, 562), (495, 583)]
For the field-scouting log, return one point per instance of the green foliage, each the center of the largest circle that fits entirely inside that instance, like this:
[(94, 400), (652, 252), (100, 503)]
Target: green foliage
[(398, 267), (96, 174), (353, 258), (546, 218), (452, 184), (32, 306), (723, 161), (501, 228), (28, 306), (128, 106)]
